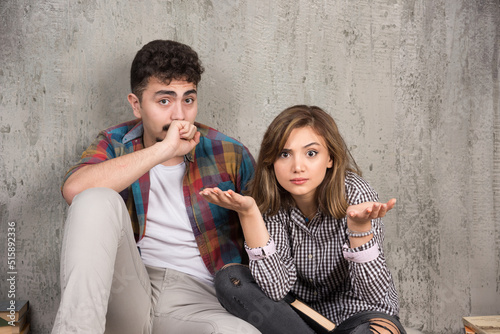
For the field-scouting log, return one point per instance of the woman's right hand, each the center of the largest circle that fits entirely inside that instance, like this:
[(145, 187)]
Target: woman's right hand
[(229, 200), (254, 229)]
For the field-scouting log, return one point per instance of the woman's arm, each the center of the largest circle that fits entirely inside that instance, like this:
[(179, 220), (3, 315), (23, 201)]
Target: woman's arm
[(359, 219), (274, 270), (370, 277), (254, 229)]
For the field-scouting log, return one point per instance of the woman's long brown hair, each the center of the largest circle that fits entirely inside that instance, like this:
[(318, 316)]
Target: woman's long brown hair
[(330, 194)]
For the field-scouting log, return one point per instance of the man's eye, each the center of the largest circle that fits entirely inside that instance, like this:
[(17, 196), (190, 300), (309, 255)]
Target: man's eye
[(189, 100), (164, 102), (312, 153)]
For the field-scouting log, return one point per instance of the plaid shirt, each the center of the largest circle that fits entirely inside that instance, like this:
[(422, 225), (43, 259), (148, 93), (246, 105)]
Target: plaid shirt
[(309, 261), (217, 161)]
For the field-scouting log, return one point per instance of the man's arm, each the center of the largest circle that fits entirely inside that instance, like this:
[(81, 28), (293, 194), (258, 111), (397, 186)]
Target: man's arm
[(121, 172)]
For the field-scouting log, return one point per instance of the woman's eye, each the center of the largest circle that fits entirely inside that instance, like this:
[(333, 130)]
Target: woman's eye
[(284, 155), (164, 102), (311, 153)]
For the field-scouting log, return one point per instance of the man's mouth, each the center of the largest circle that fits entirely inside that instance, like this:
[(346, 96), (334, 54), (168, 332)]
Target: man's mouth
[(165, 129)]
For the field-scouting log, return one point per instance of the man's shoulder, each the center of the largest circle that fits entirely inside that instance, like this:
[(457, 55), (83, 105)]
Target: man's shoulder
[(119, 131), (212, 135)]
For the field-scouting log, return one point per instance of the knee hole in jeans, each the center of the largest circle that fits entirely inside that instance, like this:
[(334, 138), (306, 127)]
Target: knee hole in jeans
[(235, 281), (383, 326)]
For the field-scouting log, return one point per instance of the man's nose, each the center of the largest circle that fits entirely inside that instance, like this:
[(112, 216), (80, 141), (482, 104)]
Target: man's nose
[(178, 112)]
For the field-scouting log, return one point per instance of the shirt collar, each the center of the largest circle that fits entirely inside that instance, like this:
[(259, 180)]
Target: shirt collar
[(189, 156), (134, 133)]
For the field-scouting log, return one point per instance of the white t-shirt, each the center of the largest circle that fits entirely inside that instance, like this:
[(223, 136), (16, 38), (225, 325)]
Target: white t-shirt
[(169, 241)]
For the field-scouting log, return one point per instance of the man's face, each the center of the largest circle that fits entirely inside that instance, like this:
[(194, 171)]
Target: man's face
[(161, 104)]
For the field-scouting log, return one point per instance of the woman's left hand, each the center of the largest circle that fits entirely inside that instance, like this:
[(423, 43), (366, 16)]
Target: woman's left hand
[(359, 216)]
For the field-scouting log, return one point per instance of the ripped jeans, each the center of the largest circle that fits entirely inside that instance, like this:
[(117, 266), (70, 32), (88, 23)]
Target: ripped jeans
[(240, 295)]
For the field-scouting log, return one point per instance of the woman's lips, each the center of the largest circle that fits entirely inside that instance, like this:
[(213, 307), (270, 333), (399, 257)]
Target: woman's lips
[(298, 181)]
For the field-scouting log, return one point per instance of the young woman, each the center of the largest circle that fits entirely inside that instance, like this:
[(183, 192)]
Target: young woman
[(320, 235)]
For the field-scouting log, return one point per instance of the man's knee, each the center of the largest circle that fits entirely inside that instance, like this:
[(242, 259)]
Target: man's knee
[(98, 208), (98, 202), (97, 197)]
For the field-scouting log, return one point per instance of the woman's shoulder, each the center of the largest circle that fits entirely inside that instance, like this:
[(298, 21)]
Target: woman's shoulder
[(358, 190)]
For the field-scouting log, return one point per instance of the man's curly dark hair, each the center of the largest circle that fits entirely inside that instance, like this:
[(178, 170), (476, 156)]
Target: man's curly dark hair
[(164, 60)]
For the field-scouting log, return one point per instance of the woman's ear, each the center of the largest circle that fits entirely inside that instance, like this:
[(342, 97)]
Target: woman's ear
[(135, 103), (330, 163)]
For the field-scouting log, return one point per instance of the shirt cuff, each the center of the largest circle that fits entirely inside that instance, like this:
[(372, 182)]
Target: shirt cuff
[(260, 253), (363, 256)]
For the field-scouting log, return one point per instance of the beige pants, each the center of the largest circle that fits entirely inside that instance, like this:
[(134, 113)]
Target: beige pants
[(106, 288)]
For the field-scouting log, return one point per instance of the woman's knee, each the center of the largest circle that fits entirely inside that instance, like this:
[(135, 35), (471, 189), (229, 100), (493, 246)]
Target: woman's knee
[(236, 288), (371, 322), (383, 326), (233, 278)]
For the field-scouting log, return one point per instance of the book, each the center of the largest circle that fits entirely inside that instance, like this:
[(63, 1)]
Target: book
[(13, 310), (6, 329), (318, 322), (20, 324), (26, 329), (3, 323), (9, 329), (14, 317)]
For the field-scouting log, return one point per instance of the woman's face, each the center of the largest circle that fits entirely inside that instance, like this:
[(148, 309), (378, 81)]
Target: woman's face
[(302, 164)]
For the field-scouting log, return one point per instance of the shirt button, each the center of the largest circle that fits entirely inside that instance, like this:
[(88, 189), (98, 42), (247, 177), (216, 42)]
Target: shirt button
[(310, 256), (315, 293)]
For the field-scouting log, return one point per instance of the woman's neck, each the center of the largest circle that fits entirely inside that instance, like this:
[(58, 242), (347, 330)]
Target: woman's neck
[(307, 206)]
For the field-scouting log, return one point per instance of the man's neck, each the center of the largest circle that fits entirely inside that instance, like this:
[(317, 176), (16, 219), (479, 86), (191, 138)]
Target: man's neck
[(173, 162)]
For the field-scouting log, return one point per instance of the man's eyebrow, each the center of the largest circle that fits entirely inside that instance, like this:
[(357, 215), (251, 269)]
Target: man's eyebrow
[(189, 92), (174, 94), (166, 92)]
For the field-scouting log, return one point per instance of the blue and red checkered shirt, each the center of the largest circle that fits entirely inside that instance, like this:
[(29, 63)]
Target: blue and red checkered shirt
[(217, 161)]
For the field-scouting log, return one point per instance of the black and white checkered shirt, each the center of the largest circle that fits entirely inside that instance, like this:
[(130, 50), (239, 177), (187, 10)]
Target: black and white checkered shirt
[(309, 262)]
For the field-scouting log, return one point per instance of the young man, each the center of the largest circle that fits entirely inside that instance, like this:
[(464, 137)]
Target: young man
[(142, 179)]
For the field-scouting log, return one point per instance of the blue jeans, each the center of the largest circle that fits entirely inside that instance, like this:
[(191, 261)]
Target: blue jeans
[(362, 323), (240, 295)]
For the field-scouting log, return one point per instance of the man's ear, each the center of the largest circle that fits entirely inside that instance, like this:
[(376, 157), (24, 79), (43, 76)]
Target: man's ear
[(135, 104)]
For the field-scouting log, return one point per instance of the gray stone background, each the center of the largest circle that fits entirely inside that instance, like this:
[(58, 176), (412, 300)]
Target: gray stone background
[(413, 85)]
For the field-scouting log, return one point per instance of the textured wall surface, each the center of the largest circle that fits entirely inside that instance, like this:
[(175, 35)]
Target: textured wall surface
[(413, 85)]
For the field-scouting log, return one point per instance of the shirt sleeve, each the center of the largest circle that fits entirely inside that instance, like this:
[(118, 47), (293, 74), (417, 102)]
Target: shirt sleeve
[(246, 170), (370, 280), (100, 150), (275, 272), (260, 253)]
